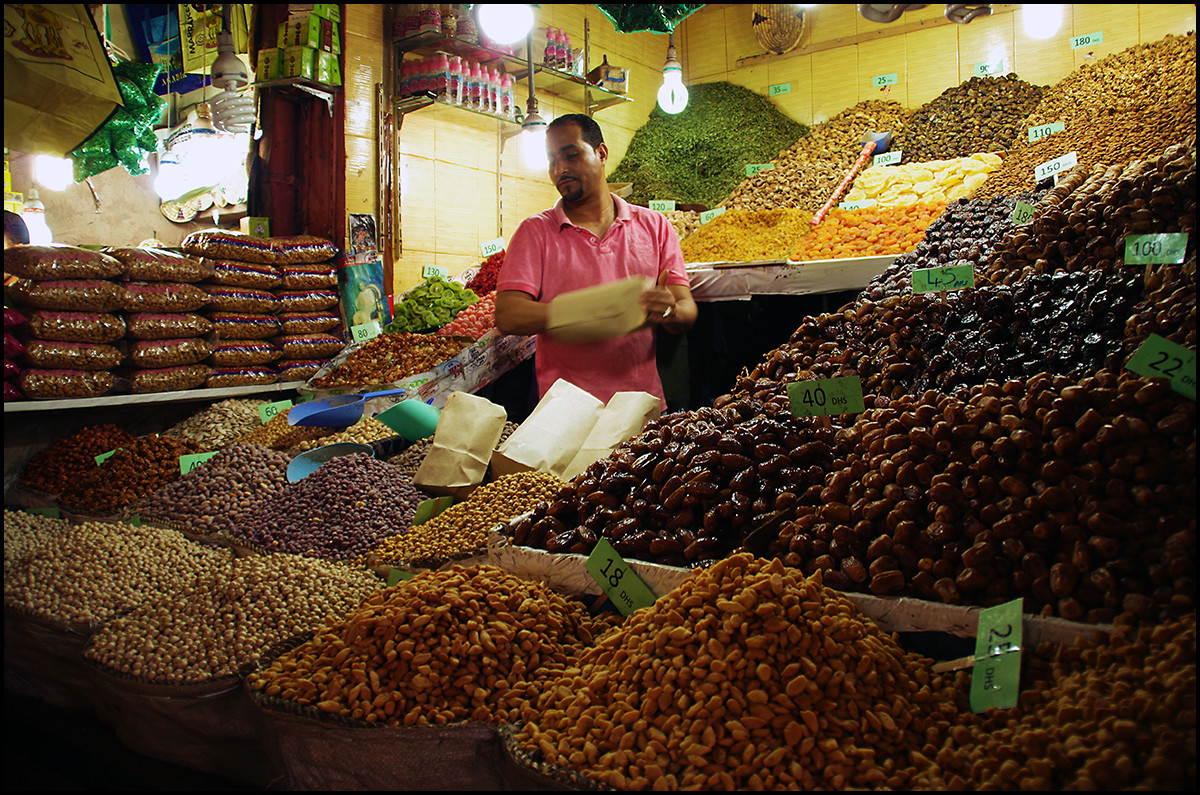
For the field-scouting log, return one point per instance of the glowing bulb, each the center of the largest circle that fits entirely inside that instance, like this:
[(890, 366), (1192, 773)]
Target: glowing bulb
[(1041, 20), (34, 216), (533, 146), (673, 95), (505, 23), (171, 182), (55, 173)]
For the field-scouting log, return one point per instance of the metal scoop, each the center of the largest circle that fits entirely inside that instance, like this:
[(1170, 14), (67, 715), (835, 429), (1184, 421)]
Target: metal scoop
[(338, 411)]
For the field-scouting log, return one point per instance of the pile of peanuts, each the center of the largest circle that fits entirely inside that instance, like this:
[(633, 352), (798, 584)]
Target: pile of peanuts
[(278, 434), (410, 459), (52, 469), (225, 620), (389, 358), (462, 530), (365, 431), (92, 572), (467, 643), (746, 676), (132, 472), (216, 496), (220, 424), (340, 512)]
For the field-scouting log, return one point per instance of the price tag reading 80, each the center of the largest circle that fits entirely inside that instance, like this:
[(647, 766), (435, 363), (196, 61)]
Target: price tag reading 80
[(366, 331)]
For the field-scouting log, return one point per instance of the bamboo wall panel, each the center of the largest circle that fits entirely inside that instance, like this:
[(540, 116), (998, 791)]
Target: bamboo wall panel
[(835, 82), (798, 102), (873, 61), (1156, 20), (932, 55), (362, 68), (1118, 23), (991, 43)]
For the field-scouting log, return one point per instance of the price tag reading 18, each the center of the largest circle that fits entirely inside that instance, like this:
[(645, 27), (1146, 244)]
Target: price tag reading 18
[(271, 410), (826, 396), (1158, 357), (616, 579), (1058, 164)]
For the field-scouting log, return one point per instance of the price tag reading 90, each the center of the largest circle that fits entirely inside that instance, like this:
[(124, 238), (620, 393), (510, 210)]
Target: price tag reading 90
[(826, 396)]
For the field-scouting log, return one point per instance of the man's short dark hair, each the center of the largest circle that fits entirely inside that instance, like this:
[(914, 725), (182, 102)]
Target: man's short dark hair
[(589, 131), (15, 228)]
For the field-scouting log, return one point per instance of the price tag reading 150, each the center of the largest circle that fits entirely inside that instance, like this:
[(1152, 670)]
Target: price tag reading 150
[(826, 396), (1059, 164), (492, 247), (616, 579)]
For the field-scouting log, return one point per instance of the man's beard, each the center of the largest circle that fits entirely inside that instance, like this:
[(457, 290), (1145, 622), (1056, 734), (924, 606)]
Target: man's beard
[(573, 191)]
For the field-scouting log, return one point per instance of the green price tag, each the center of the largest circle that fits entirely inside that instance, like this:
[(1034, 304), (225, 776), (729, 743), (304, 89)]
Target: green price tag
[(492, 247), (434, 270), (858, 205), (779, 88), (366, 331), (1166, 248), (51, 513), (134, 519), (887, 158), (1158, 357), (996, 678), (619, 583), (933, 280), (1022, 213), (396, 575), (100, 459), (754, 168), (879, 81), (826, 396), (989, 69), (1087, 40), (708, 215), (304, 398), (427, 509), (1045, 130), (1056, 166), (662, 205), (271, 410), (189, 462)]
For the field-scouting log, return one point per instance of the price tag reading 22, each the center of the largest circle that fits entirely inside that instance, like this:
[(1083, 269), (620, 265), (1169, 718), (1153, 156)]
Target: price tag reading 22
[(826, 396), (1158, 357), (616, 579)]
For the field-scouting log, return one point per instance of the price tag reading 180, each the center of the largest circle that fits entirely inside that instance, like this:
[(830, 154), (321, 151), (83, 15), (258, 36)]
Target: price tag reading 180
[(1058, 164), (1087, 40), (1166, 248), (267, 412), (996, 679), (826, 396), (492, 247), (1022, 213), (1158, 357), (616, 579)]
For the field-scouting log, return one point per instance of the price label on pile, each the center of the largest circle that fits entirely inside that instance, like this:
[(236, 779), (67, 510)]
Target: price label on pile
[(779, 88), (887, 158), (708, 215), (933, 280), (427, 509), (271, 410), (1087, 40), (305, 398), (826, 396), (434, 270), (51, 513), (1166, 248), (989, 69), (492, 247), (754, 168), (189, 462), (996, 678), (1022, 213), (1158, 357), (879, 81), (662, 205), (100, 459), (1058, 165), (366, 331), (619, 583), (1045, 130), (134, 520), (398, 575), (862, 204)]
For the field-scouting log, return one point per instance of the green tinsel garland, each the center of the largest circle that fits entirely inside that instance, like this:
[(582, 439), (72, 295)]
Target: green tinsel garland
[(128, 135)]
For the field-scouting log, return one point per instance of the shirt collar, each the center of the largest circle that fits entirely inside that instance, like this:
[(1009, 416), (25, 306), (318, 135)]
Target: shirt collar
[(621, 211)]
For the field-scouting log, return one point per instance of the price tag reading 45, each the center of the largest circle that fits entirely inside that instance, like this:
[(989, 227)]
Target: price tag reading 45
[(1160, 358), (616, 579), (826, 396), (996, 679), (932, 280)]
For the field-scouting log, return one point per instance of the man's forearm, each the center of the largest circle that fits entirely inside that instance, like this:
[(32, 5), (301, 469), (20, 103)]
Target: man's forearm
[(517, 313)]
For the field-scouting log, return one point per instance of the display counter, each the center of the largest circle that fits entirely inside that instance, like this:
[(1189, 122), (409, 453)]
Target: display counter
[(741, 281)]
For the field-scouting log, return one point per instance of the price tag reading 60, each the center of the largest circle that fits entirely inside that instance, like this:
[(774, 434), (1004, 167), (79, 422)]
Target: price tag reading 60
[(826, 396)]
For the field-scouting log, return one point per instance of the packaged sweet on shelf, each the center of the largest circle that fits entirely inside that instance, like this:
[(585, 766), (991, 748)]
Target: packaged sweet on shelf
[(244, 325), (307, 277), (54, 262), (306, 300), (159, 265), (243, 274), (168, 379), (243, 353), (298, 369), (241, 376), (313, 322), (310, 346), (240, 299)]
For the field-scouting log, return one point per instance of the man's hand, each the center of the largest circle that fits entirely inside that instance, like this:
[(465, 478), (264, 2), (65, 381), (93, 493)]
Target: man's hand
[(670, 306)]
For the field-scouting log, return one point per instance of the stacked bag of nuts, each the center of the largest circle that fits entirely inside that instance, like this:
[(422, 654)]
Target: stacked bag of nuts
[(274, 303)]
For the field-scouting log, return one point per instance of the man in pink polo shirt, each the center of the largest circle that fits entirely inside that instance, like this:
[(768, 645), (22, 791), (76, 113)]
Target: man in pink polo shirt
[(590, 237)]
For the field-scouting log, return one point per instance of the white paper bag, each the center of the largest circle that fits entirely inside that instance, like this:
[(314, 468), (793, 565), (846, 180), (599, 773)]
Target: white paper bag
[(551, 436), (597, 313), (623, 418), (467, 432)]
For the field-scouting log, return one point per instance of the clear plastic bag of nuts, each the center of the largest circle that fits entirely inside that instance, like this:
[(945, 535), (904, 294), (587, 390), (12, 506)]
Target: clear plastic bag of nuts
[(60, 384), (168, 353), (100, 327), (52, 354), (69, 295), (166, 326), (159, 265), (168, 379), (57, 261), (164, 297)]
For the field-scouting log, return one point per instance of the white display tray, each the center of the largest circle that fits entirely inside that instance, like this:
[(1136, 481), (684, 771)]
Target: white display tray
[(740, 281)]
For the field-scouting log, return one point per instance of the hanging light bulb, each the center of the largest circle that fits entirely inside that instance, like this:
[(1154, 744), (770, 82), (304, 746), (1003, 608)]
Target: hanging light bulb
[(34, 216), (231, 111), (533, 139), (170, 183), (55, 173), (505, 23), (673, 95), (1041, 20)]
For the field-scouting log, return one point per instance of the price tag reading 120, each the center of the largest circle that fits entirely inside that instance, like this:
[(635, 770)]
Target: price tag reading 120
[(616, 579), (662, 205), (1158, 357), (933, 280), (826, 396), (996, 679), (1058, 164)]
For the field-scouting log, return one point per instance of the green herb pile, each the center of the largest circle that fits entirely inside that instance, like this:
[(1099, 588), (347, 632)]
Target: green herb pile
[(700, 155)]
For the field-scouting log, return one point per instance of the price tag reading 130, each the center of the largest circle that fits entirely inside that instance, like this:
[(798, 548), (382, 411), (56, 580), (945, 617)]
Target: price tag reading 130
[(996, 679), (826, 396), (616, 579)]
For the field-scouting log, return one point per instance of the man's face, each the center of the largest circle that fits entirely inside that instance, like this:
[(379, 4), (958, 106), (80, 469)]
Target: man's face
[(576, 169)]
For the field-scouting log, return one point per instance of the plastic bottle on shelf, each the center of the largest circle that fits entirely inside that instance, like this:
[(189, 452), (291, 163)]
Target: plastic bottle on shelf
[(465, 29), (455, 81), (508, 97), (560, 49), (494, 85), (569, 56), (441, 85), (551, 50), (475, 87)]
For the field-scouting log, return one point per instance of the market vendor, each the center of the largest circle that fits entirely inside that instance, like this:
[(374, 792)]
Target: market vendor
[(589, 237)]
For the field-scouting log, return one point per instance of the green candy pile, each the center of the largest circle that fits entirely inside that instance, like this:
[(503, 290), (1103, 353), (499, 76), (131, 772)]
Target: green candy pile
[(429, 306)]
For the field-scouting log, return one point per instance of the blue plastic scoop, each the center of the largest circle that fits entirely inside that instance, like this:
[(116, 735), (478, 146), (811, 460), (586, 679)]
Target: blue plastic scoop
[(310, 461), (337, 411)]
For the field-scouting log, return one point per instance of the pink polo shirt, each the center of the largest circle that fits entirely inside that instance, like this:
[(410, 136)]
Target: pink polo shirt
[(548, 255)]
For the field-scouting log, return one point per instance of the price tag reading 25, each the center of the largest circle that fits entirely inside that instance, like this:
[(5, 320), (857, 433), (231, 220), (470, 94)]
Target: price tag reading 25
[(616, 579), (826, 396)]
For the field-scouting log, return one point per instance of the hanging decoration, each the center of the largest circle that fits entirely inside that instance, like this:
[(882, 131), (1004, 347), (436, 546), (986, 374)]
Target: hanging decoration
[(779, 27), (647, 17), (127, 138)]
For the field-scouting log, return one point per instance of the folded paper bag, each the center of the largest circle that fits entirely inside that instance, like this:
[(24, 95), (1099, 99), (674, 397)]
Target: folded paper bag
[(623, 418), (600, 312), (467, 432), (551, 436)]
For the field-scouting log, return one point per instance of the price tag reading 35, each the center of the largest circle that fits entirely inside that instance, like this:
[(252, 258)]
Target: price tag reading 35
[(616, 579), (826, 396), (996, 679), (932, 280), (1158, 357), (1059, 164)]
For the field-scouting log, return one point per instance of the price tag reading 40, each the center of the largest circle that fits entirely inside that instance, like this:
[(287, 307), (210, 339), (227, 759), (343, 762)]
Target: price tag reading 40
[(1158, 357), (189, 462), (826, 396), (932, 280), (616, 579), (269, 411), (996, 680)]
